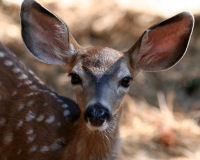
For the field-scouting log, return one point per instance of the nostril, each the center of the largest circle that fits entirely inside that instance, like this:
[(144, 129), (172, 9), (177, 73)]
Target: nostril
[(97, 115), (101, 112), (104, 113)]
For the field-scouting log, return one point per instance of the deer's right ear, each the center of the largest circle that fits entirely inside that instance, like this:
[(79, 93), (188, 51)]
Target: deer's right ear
[(162, 45), (46, 36)]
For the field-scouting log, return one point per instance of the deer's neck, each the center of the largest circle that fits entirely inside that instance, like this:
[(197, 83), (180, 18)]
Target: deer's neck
[(96, 145)]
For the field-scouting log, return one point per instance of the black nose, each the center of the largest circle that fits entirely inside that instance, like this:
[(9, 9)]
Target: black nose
[(97, 114)]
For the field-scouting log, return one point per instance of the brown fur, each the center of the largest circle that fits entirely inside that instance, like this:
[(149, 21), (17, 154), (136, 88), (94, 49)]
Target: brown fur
[(79, 143), (103, 76), (14, 92), (95, 145)]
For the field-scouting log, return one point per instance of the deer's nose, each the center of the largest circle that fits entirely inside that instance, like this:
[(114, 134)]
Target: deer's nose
[(97, 114)]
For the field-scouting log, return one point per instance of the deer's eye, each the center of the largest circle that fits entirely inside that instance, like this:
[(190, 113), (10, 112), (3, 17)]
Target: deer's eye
[(75, 79), (125, 82)]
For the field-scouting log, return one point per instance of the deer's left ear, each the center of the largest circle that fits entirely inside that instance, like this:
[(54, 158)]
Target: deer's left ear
[(46, 36), (162, 45)]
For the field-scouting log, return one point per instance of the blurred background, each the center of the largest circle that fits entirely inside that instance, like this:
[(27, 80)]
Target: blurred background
[(162, 111)]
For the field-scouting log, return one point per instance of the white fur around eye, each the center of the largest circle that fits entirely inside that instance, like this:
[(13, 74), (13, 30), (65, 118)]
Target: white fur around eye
[(122, 90), (123, 72)]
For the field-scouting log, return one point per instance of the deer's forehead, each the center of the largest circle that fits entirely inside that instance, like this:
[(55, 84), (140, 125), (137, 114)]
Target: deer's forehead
[(100, 60)]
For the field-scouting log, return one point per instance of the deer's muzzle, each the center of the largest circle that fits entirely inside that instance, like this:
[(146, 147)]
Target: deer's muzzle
[(97, 114)]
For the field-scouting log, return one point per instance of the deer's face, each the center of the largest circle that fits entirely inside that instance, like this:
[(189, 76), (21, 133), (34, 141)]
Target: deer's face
[(101, 76), (100, 79)]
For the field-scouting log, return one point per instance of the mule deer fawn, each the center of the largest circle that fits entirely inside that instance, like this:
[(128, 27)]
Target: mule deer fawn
[(36, 123)]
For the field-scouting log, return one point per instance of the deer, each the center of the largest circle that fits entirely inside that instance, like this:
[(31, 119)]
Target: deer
[(36, 123)]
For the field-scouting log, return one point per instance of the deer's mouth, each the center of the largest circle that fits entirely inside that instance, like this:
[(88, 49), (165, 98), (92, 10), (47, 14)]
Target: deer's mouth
[(103, 127), (97, 117)]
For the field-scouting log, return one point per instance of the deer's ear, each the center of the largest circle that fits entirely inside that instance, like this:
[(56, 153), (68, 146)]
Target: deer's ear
[(162, 45), (46, 36)]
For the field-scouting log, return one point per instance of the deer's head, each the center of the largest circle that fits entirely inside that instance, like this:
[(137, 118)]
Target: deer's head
[(101, 76)]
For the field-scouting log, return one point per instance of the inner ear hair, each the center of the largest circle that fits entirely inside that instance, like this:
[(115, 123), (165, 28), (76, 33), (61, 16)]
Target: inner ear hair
[(162, 45), (46, 36)]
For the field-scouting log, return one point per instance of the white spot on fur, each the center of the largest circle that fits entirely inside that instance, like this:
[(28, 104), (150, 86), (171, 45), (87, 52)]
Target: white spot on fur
[(23, 76), (44, 149), (33, 87), (28, 82), (14, 93), (1, 55), (8, 63), (30, 103), (30, 116), (2, 121), (19, 152), (31, 138), (60, 100), (31, 72), (66, 113), (20, 123), (16, 70), (40, 118), (19, 85), (31, 94), (45, 104), (30, 131), (20, 107), (50, 119), (8, 138), (57, 144), (33, 149), (64, 106), (53, 94)]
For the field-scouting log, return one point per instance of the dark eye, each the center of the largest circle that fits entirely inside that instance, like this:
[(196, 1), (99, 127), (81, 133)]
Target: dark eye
[(75, 79), (125, 82)]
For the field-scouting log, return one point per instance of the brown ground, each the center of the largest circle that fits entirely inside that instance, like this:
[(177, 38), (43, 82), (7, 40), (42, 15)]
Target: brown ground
[(169, 131)]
